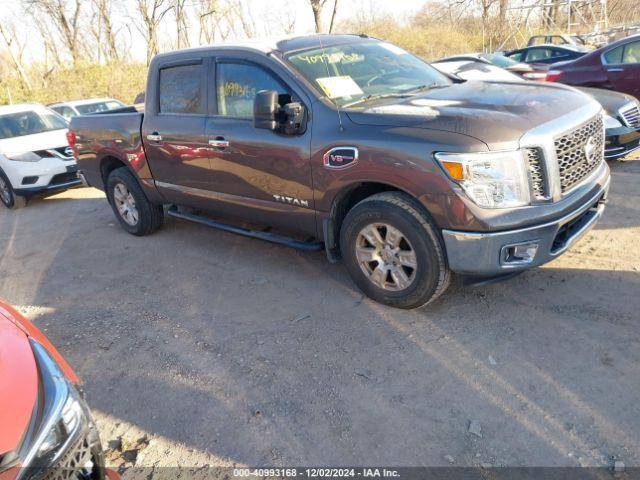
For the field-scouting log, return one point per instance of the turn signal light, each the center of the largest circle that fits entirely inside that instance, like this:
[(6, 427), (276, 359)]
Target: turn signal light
[(454, 169)]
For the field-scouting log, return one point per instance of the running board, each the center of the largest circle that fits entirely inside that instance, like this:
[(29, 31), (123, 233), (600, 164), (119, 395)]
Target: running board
[(267, 236)]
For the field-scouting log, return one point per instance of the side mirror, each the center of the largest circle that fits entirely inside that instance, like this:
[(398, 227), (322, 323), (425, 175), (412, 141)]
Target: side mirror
[(265, 110)]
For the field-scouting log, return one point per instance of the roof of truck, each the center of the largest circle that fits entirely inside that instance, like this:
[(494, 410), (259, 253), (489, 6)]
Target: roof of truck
[(283, 45)]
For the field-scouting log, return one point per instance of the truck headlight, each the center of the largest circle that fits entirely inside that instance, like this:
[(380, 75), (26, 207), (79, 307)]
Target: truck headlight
[(63, 416), (611, 122), (490, 179), (24, 157)]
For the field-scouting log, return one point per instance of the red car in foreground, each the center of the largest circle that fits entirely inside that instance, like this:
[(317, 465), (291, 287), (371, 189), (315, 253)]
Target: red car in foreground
[(46, 429), (615, 66)]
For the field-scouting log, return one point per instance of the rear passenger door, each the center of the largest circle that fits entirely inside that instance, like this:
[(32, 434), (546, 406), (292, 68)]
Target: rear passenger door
[(173, 130), (260, 175), (622, 66)]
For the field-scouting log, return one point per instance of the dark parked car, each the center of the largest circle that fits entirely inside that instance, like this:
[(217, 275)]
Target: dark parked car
[(622, 112), (403, 172), (615, 67), (547, 54)]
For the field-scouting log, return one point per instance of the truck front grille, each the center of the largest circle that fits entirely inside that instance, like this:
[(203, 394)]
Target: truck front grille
[(580, 152), (631, 115), (537, 175)]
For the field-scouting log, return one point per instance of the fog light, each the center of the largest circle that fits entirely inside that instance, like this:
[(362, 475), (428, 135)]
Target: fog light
[(521, 253)]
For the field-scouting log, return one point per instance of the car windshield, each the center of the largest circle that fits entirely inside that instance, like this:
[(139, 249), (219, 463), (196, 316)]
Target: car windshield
[(97, 107), (356, 73), (498, 60), (29, 122)]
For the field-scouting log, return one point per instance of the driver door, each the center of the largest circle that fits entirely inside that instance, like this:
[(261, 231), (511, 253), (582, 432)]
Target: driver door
[(258, 174)]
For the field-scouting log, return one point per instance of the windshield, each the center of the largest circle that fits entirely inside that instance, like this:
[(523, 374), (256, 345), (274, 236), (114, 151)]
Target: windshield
[(30, 122), (354, 73), (90, 108), (498, 60)]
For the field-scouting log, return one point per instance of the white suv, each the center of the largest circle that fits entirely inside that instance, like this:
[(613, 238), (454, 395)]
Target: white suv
[(35, 156)]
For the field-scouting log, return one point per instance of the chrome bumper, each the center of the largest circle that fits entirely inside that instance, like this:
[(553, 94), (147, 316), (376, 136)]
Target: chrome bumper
[(483, 254)]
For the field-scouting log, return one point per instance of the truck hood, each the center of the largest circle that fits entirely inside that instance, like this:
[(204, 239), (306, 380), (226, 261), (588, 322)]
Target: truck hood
[(496, 113), (32, 143), (18, 384)]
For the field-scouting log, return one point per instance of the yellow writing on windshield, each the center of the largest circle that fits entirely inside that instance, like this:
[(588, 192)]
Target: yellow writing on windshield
[(338, 57)]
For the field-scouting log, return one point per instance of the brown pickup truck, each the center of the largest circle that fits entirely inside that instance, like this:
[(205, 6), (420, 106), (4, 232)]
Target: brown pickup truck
[(353, 145)]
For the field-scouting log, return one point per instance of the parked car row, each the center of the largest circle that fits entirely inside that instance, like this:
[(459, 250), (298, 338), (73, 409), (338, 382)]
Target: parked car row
[(622, 112), (615, 66), (35, 156)]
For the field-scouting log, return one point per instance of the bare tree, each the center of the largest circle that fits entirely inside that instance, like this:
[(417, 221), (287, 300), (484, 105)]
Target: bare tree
[(317, 7), (103, 9), (65, 16), (333, 15), (205, 12), (182, 25), (9, 34), (151, 14)]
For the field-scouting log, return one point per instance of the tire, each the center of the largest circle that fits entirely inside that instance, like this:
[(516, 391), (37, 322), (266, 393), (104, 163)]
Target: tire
[(8, 196), (136, 214), (416, 274)]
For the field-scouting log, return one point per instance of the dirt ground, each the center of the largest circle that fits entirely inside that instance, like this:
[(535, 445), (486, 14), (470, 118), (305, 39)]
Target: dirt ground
[(201, 347)]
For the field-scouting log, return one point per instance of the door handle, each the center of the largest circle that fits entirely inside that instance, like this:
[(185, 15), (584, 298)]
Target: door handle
[(154, 137), (615, 69), (219, 142)]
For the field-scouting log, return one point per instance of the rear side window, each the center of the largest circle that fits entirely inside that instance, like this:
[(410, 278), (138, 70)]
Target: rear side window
[(631, 53), (181, 90), (536, 54), (614, 57), (238, 84)]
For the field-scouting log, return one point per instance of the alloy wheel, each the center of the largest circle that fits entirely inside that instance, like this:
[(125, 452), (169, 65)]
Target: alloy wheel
[(386, 257), (126, 204)]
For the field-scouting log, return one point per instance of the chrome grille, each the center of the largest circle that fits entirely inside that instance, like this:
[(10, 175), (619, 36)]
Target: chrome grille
[(574, 164), (75, 465), (537, 181), (631, 115)]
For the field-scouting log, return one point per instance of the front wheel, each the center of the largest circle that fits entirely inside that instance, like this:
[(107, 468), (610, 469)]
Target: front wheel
[(136, 214), (392, 251), (8, 197)]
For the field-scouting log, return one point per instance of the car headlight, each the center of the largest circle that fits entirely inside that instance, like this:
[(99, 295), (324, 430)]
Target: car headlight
[(611, 122), (490, 179), (63, 417), (24, 157)]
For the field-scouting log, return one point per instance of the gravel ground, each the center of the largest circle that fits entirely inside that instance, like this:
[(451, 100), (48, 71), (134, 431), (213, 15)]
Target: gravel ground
[(201, 347)]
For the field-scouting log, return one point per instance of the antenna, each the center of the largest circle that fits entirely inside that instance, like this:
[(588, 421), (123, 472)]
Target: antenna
[(326, 64)]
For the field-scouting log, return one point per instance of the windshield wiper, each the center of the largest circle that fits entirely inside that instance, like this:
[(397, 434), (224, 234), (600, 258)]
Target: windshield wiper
[(376, 96), (423, 88)]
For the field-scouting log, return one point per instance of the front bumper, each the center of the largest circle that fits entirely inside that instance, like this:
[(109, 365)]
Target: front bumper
[(483, 254), (620, 142), (47, 175)]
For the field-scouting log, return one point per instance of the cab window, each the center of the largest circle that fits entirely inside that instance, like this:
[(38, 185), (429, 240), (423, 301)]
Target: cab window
[(180, 90), (237, 85)]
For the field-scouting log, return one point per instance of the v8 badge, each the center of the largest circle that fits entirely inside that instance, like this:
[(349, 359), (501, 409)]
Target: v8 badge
[(340, 157)]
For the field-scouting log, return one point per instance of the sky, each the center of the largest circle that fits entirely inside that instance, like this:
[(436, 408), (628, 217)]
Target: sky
[(262, 11)]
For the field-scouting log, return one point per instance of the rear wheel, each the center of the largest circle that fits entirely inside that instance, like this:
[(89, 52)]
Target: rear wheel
[(7, 196), (136, 214), (392, 251)]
